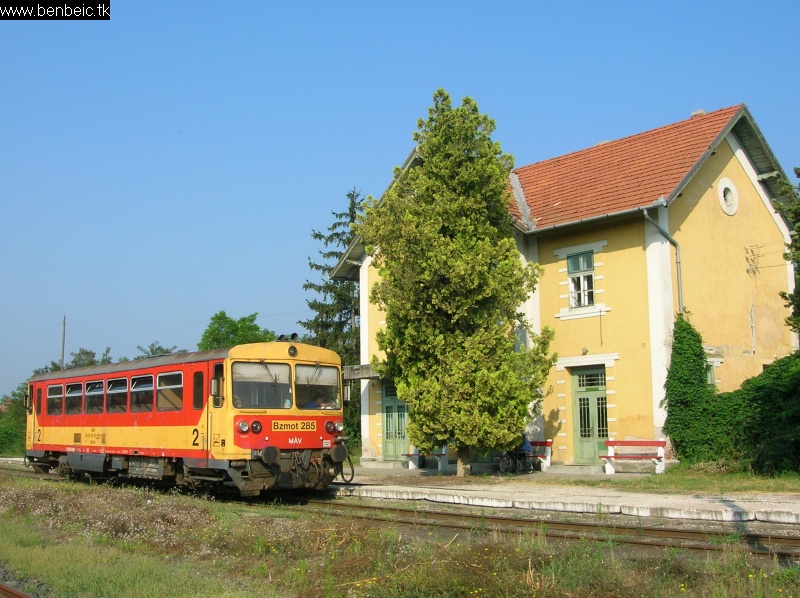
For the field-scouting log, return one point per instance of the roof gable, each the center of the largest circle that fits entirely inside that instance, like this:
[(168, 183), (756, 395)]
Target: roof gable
[(622, 175), (617, 177)]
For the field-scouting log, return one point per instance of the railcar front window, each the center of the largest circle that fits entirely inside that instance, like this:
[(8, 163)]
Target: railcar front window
[(142, 393), (317, 387), (262, 385)]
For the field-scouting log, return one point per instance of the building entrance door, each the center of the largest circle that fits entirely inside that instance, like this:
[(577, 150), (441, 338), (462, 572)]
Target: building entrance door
[(395, 417), (591, 414)]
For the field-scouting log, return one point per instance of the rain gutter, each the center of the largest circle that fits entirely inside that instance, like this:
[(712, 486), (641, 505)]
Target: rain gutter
[(677, 247), (534, 230)]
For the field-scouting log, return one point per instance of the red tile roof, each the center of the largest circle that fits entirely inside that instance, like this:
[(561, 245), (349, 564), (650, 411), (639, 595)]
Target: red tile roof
[(619, 175)]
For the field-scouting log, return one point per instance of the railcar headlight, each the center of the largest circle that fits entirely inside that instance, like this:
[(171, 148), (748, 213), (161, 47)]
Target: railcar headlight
[(331, 427), (243, 427), (256, 427)]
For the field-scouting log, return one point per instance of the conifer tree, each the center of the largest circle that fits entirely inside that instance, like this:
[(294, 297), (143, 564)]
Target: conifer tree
[(452, 282), (335, 323)]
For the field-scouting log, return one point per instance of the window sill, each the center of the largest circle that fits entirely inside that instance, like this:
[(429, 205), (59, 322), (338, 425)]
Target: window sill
[(583, 312)]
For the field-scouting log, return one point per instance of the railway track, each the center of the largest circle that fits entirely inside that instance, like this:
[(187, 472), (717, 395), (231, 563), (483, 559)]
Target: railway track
[(777, 545), (23, 472), (772, 544)]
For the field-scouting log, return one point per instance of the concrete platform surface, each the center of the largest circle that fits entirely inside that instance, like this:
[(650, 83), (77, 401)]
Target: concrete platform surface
[(529, 491)]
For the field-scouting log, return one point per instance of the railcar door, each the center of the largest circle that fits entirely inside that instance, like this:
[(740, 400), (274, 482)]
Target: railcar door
[(215, 432), (591, 415), (32, 421)]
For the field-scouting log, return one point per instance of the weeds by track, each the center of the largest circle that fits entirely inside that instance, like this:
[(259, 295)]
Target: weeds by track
[(776, 545)]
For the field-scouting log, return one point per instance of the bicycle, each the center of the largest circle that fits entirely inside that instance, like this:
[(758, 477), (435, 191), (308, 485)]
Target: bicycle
[(516, 462), (506, 465)]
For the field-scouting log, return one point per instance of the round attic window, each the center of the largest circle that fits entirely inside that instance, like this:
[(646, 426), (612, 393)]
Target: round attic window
[(728, 196)]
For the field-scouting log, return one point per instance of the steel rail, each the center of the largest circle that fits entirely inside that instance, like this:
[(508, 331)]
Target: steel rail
[(7, 591)]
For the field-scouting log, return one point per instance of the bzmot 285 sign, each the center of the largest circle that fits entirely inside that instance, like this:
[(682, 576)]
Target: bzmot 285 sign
[(294, 426)]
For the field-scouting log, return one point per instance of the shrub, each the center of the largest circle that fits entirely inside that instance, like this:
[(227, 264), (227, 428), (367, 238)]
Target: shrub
[(687, 397), (771, 431)]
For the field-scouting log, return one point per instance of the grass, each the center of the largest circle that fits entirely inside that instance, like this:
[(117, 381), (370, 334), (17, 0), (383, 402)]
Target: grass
[(78, 540)]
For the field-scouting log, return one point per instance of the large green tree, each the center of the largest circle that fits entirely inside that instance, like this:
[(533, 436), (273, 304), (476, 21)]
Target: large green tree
[(789, 207), (335, 322), (224, 331), (452, 282)]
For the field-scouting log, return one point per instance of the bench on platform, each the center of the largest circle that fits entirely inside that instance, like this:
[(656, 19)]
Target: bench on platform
[(542, 452), (417, 460), (612, 456)]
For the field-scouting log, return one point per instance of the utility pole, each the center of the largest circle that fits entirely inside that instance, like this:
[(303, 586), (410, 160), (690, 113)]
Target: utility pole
[(63, 338)]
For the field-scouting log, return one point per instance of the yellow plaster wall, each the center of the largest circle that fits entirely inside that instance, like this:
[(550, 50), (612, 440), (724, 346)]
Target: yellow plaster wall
[(373, 447), (620, 273), (721, 287)]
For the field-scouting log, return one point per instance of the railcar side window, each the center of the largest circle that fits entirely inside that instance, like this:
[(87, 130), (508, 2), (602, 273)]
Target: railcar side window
[(94, 397), (198, 391), (170, 392), (117, 396), (55, 399), (141, 393), (317, 387), (262, 385), (74, 403), (38, 401)]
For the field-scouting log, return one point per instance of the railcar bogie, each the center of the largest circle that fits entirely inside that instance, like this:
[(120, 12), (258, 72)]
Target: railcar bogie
[(251, 418)]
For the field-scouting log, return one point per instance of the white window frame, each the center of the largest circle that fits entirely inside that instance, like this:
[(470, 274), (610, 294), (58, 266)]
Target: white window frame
[(581, 280), (572, 310)]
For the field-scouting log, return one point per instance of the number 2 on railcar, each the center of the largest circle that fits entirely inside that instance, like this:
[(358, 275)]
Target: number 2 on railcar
[(252, 417)]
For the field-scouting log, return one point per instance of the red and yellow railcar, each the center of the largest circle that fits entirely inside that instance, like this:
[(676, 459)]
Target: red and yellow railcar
[(252, 417)]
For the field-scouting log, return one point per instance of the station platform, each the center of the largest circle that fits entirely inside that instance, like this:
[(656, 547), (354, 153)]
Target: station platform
[(531, 492)]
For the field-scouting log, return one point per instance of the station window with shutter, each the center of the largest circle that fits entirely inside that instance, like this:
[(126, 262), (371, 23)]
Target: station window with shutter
[(580, 268), (581, 280)]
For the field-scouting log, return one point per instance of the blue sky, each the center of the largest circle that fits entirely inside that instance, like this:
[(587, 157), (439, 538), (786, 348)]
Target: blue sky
[(172, 162)]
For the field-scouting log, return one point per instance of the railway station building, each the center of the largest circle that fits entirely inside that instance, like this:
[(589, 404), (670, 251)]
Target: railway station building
[(628, 234)]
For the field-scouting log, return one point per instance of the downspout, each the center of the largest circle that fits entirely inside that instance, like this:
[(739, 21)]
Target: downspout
[(677, 247)]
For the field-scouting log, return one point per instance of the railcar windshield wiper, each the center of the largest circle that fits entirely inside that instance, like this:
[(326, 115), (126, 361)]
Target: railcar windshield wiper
[(271, 375)]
